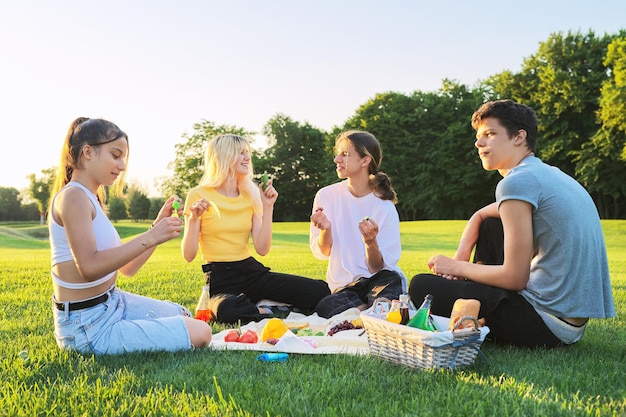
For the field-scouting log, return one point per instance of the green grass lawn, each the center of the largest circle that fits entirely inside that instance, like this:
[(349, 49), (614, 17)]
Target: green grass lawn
[(588, 379)]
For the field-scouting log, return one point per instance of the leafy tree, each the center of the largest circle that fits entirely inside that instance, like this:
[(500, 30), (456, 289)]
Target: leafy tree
[(117, 209), (428, 150), (298, 159), (10, 204), (188, 165), (39, 190), (564, 82), (561, 82), (138, 205), (155, 206), (601, 164), (394, 119), (28, 212)]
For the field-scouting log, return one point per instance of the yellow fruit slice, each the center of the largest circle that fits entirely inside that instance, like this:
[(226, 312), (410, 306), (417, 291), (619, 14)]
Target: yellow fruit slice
[(274, 328)]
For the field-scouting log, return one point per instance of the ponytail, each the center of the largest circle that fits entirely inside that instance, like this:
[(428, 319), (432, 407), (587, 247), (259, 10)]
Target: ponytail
[(85, 131)]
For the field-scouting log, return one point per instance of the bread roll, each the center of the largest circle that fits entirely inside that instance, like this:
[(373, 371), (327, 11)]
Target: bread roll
[(464, 307)]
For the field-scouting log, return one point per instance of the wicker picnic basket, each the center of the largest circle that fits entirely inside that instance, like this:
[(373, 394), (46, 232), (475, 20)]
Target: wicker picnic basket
[(422, 349)]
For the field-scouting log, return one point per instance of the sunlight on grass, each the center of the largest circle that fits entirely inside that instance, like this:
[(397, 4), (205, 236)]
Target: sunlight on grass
[(39, 379)]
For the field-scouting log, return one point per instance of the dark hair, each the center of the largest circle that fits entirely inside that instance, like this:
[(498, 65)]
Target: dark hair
[(366, 144), (85, 131), (513, 116)]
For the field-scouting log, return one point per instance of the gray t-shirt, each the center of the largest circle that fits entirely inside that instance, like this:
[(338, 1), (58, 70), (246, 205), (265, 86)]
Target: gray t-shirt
[(569, 275)]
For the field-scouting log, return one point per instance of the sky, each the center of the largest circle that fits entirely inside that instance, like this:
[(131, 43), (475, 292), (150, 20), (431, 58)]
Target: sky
[(156, 67)]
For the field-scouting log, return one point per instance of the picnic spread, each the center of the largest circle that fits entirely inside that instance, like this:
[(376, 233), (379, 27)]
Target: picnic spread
[(310, 340), (367, 333)]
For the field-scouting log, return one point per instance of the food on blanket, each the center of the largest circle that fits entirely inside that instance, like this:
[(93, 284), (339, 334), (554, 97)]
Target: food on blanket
[(295, 326), (275, 327), (357, 322), (231, 336), (249, 336), (272, 340), (464, 307), (344, 325), (307, 331)]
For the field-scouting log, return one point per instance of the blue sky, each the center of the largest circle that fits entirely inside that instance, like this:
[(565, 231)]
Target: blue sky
[(157, 67)]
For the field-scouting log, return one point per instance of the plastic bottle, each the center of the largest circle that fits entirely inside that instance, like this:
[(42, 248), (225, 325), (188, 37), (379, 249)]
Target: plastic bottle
[(273, 357), (404, 308), (203, 312), (394, 315), (422, 319)]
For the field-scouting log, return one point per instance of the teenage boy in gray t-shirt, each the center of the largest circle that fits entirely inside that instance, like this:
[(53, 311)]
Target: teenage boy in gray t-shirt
[(540, 267)]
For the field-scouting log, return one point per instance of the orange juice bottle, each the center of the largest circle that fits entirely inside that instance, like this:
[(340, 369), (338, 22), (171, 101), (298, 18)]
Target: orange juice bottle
[(203, 311), (394, 314)]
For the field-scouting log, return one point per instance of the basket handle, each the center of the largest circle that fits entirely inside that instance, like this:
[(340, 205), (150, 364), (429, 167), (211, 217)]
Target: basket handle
[(464, 318), (379, 301)]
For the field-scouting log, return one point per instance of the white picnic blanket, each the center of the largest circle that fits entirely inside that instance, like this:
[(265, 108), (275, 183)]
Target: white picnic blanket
[(353, 342)]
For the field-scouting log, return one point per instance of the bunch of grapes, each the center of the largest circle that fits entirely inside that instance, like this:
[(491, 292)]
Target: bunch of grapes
[(344, 325)]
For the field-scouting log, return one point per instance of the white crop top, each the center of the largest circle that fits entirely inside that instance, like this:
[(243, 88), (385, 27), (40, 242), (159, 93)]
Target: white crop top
[(106, 238)]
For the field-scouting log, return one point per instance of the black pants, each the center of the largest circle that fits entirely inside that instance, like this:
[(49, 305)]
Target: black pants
[(236, 287), (384, 283), (510, 318)]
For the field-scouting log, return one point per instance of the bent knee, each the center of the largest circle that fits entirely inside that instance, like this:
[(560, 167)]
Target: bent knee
[(200, 333)]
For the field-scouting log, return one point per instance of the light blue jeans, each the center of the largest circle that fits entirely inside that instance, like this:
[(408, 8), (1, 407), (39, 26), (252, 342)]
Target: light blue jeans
[(126, 322)]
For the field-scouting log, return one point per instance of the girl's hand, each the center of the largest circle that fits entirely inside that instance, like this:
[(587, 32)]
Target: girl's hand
[(269, 195), (198, 208), (442, 265), (368, 229), (168, 209), (320, 220), (166, 229)]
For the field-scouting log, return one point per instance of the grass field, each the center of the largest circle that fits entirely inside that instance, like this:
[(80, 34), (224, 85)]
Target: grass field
[(588, 379)]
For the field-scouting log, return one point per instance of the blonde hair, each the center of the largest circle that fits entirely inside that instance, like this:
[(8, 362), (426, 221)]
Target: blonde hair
[(220, 159)]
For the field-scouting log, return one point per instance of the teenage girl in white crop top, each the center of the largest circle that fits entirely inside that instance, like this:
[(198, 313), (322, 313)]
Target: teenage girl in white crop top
[(91, 314)]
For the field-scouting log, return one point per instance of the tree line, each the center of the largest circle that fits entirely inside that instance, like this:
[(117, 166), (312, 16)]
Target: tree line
[(576, 82)]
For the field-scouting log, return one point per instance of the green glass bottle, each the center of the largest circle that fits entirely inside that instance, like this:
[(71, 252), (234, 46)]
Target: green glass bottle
[(421, 319)]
